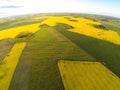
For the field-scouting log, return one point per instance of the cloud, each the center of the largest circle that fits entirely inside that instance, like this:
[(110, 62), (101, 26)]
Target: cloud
[(19, 7), (10, 6)]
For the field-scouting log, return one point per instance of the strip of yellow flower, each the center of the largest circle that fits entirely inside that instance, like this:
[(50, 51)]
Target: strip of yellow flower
[(12, 32), (82, 75), (83, 26), (8, 66)]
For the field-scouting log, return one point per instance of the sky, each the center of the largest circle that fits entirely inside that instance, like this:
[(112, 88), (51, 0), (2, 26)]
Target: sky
[(21, 7)]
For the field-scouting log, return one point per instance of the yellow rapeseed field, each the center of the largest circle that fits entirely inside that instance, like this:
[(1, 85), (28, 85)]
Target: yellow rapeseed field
[(81, 75), (84, 26), (81, 25), (13, 32), (7, 67)]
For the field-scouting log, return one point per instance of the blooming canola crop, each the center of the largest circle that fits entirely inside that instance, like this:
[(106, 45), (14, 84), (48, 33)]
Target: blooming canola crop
[(13, 32), (82, 75), (85, 26), (8, 66), (81, 25)]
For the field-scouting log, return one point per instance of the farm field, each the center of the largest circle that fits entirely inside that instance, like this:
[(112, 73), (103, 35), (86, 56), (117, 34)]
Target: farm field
[(19, 21), (50, 50), (80, 75), (40, 42), (8, 66)]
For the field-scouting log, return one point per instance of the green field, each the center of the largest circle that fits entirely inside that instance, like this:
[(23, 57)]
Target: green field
[(113, 25), (18, 21)]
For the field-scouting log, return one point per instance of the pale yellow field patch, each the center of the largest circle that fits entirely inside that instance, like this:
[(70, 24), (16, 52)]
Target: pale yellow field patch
[(8, 66), (82, 75)]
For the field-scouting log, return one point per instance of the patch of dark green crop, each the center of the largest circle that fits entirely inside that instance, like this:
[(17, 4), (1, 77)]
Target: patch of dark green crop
[(23, 37), (100, 27), (63, 25), (73, 20)]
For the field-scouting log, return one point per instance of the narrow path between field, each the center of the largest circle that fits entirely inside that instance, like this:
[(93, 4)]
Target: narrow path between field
[(5, 46), (56, 35)]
